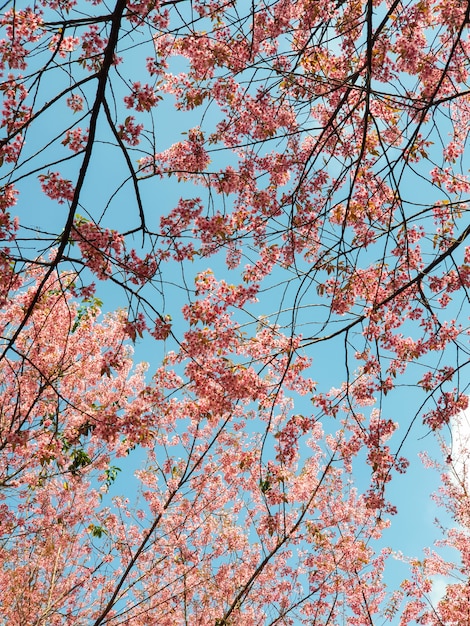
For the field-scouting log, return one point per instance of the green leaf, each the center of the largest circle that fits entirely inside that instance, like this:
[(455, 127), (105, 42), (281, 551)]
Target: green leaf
[(264, 485), (111, 474), (96, 531), (80, 459)]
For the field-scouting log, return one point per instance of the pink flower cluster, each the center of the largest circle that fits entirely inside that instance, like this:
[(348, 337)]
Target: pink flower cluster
[(162, 328), (186, 159), (142, 97), (449, 403), (75, 102), (56, 187), (98, 245), (64, 45), (93, 46), (130, 131), (75, 139)]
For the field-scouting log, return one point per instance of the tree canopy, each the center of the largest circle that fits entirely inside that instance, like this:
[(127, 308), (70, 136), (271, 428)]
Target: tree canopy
[(271, 199)]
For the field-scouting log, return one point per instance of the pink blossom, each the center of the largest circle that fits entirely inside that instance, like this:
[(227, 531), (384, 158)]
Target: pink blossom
[(56, 188)]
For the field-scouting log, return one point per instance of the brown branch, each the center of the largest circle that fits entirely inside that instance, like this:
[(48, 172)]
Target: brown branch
[(100, 94), (417, 279)]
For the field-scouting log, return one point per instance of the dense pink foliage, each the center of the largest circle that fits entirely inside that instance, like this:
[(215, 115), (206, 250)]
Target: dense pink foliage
[(317, 150)]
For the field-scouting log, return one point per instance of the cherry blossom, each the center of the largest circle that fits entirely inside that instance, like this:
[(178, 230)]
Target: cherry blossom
[(274, 198)]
